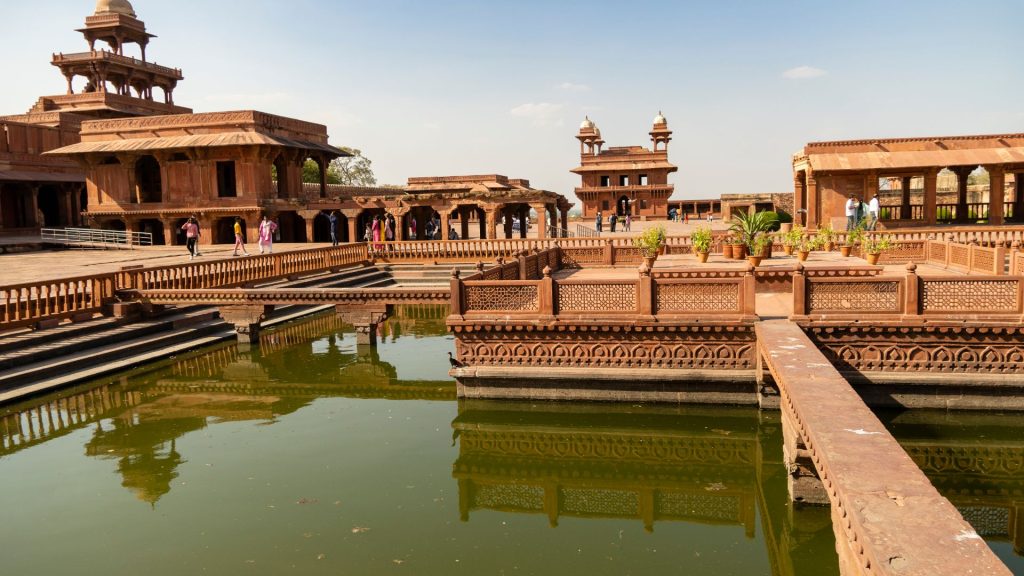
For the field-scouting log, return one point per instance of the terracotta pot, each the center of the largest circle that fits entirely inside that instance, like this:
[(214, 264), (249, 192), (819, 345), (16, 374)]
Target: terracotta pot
[(845, 251), (872, 258), (785, 227), (830, 246), (649, 261), (727, 251), (802, 255), (739, 251), (661, 250), (788, 249), (755, 260), (702, 257)]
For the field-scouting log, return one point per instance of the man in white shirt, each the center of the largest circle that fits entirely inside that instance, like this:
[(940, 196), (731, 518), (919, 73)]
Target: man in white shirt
[(873, 213), (851, 213)]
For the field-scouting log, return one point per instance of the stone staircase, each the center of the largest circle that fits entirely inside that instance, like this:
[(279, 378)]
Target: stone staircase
[(419, 275)]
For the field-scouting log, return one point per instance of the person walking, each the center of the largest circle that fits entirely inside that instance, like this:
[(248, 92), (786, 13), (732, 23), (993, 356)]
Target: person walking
[(266, 235), (389, 229), (628, 224), (851, 212), (377, 246), (599, 222), (239, 238), (191, 229), (873, 212), (612, 220), (412, 228), (332, 219)]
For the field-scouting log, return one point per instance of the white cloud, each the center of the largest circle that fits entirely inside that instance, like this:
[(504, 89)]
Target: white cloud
[(571, 87), (803, 73), (540, 113)]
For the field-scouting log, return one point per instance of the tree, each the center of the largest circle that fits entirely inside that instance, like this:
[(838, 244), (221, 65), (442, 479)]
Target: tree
[(353, 170)]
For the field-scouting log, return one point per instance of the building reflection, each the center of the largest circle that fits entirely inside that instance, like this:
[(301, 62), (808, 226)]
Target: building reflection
[(137, 418), (719, 466), (976, 460)]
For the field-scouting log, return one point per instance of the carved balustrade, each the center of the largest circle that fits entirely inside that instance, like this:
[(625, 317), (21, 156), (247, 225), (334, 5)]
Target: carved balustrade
[(996, 297), (30, 303)]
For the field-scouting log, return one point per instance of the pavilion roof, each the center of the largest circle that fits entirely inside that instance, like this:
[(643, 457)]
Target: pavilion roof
[(895, 160), (195, 141)]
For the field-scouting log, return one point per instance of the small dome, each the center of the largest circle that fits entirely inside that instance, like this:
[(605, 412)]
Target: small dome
[(660, 119), (587, 123), (115, 7)]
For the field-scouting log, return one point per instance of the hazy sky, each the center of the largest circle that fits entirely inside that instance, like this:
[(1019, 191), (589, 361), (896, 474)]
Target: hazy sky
[(441, 88)]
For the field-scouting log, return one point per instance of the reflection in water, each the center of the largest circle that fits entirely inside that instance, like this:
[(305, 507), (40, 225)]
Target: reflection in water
[(707, 484), (977, 461), (709, 466)]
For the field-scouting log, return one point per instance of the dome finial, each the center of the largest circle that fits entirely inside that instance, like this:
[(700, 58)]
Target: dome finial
[(114, 7)]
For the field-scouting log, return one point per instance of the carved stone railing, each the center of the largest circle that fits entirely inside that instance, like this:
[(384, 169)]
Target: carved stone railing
[(31, 303), (969, 258), (1017, 263), (892, 297), (725, 293), (238, 271)]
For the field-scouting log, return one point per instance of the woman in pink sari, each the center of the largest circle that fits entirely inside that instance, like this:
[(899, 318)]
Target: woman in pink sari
[(377, 246)]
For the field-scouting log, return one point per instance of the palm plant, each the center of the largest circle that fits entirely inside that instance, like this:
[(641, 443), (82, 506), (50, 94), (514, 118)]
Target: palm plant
[(747, 226)]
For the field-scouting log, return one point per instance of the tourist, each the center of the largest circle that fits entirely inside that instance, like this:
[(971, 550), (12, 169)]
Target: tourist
[(686, 218), (389, 228), (628, 223), (239, 238), (266, 234), (711, 217), (851, 212), (452, 235), (612, 220), (332, 218), (412, 228), (873, 211), (376, 234), (367, 234), (191, 237), (672, 214), (599, 222)]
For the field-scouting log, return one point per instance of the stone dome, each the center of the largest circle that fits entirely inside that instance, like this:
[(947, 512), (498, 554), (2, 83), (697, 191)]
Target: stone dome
[(587, 123), (660, 119), (115, 7)]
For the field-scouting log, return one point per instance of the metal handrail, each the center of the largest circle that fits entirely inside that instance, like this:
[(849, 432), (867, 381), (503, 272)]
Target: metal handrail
[(585, 232), (96, 238)]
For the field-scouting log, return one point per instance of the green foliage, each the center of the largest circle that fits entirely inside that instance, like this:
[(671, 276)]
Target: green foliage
[(354, 170), (785, 217), (701, 239), (876, 244), (759, 245), (747, 226), (855, 236), (651, 240), (794, 237), (826, 234)]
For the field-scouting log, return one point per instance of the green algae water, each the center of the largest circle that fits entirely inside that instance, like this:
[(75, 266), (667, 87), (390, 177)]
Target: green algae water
[(309, 455)]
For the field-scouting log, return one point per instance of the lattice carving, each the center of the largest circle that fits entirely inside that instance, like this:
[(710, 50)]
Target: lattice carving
[(903, 252), (970, 295), (517, 496), (599, 501), (709, 506), (628, 255), (853, 296), (531, 268), (724, 297), (595, 297), (959, 255), (937, 252), (510, 271), (511, 298), (580, 257), (984, 260)]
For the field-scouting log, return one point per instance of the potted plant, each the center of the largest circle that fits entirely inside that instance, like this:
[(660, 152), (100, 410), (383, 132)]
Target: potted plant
[(650, 243), (804, 248), (853, 237), (747, 227), (792, 238), (758, 246), (874, 246), (701, 240), (827, 237)]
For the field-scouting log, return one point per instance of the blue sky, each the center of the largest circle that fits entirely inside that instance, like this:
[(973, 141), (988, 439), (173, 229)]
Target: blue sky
[(439, 88)]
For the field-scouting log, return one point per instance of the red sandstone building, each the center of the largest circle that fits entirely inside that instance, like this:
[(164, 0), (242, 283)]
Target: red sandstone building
[(624, 179)]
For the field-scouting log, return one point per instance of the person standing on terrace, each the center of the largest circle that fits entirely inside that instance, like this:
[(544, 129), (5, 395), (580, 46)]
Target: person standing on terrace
[(266, 235), (191, 237), (239, 238), (851, 212)]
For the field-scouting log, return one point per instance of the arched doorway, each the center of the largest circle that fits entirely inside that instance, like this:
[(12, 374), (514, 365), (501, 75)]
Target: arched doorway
[(623, 206), (322, 227), (148, 183), (291, 227), (49, 207)]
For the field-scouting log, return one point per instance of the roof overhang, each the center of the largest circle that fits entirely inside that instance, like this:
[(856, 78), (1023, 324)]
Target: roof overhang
[(881, 160), (194, 141)]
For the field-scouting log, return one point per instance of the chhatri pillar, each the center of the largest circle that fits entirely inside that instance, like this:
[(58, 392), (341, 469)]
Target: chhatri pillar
[(905, 209), (996, 193), (491, 214), (169, 230), (812, 202), (308, 216), (398, 213), (352, 218), (931, 178), (446, 219), (962, 172), (542, 219), (563, 211)]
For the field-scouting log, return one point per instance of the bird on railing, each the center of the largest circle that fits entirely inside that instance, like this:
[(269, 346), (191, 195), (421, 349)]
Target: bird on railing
[(455, 363)]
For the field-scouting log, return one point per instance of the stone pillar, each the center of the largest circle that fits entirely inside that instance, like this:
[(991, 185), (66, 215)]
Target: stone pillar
[(246, 319), (446, 222), (169, 231), (524, 213), (352, 218), (812, 202), (803, 482), (508, 222), (962, 173), (491, 213), (67, 217), (905, 209), (564, 213), (542, 220), (799, 198), (1018, 201), (206, 232), (308, 216), (996, 194), (870, 186), (463, 222), (399, 215), (931, 177), (33, 206), (365, 322)]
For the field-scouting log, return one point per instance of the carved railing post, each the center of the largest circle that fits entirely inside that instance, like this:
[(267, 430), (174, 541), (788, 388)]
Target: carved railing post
[(912, 286), (456, 297), (1000, 260), (547, 293), (609, 253), (799, 291), (645, 292), (522, 265), (748, 287)]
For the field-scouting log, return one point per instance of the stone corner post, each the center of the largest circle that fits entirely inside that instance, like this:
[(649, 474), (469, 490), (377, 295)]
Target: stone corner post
[(912, 288), (799, 291)]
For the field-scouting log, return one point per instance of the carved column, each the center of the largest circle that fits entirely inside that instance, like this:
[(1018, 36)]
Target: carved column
[(812, 202), (564, 213), (508, 221), (962, 172), (309, 217), (996, 194), (169, 230), (524, 214), (246, 318), (491, 213), (352, 218), (1018, 201), (446, 218), (399, 213), (464, 222), (905, 210), (33, 206), (365, 322), (931, 177)]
